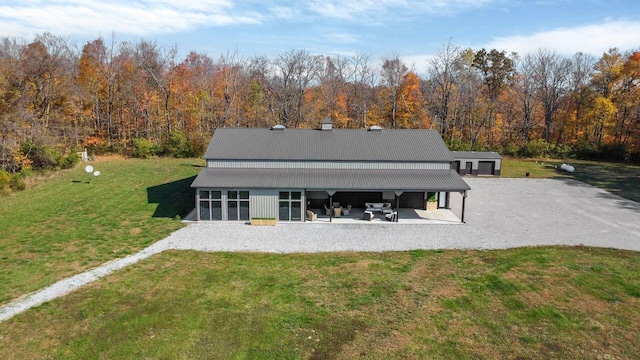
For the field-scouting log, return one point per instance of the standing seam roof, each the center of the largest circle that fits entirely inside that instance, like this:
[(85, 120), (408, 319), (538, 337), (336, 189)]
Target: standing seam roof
[(337, 145)]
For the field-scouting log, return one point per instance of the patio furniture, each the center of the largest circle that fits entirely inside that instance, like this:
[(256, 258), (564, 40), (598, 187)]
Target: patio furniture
[(392, 216), (327, 211), (368, 215), (377, 206), (345, 211), (337, 212), (311, 216)]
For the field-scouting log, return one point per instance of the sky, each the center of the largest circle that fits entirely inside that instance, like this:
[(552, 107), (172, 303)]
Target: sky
[(414, 30)]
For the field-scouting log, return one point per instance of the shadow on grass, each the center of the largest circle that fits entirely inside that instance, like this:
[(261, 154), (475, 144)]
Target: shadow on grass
[(174, 199)]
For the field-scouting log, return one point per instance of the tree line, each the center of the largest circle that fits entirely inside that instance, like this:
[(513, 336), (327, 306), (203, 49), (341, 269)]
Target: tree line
[(140, 99)]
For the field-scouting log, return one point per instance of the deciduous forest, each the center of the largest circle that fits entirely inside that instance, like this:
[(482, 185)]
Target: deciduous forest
[(140, 99)]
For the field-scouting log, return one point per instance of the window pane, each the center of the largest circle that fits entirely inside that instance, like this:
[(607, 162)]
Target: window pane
[(295, 195), (216, 194), (232, 207), (284, 210), (244, 210), (296, 211), (232, 194), (216, 210), (244, 195), (204, 195), (204, 210), (284, 195)]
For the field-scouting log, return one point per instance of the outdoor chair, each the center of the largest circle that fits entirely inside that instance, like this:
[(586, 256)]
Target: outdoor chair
[(345, 211), (311, 216), (368, 215), (393, 217), (327, 211)]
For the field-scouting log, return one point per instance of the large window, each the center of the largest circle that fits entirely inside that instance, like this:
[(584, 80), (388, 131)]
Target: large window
[(290, 205), (210, 205), (238, 205)]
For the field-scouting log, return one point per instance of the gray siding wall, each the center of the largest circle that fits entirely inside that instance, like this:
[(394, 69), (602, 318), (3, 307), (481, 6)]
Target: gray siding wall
[(263, 203), (328, 165)]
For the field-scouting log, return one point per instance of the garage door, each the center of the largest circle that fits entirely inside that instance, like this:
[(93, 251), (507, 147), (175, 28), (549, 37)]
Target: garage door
[(486, 167)]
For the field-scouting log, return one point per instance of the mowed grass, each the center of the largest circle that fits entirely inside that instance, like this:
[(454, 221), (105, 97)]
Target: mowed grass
[(528, 303), (619, 179), (66, 225)]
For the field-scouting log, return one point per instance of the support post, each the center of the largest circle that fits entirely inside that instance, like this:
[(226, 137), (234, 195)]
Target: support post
[(330, 208), (464, 198)]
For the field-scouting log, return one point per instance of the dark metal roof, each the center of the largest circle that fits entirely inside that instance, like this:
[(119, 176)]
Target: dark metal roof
[(333, 179), (476, 155), (339, 144)]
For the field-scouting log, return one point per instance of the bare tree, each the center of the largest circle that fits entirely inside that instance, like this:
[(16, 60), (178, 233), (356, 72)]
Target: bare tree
[(393, 70), (550, 77), (442, 78), (295, 71)]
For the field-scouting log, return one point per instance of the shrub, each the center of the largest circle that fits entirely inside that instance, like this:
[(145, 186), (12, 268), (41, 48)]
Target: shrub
[(535, 149), (176, 145), (143, 148), (5, 179), (70, 160), (41, 158), (510, 150), (583, 150)]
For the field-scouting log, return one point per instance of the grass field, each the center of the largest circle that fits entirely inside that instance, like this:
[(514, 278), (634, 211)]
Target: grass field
[(66, 225), (528, 303)]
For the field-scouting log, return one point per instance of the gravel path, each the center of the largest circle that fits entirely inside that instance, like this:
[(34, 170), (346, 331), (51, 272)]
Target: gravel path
[(500, 213)]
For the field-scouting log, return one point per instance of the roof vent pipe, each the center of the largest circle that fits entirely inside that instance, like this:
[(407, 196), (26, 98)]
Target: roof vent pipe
[(327, 125)]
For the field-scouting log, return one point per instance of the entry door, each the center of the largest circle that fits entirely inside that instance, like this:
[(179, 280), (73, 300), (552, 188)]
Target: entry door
[(443, 200), (468, 166)]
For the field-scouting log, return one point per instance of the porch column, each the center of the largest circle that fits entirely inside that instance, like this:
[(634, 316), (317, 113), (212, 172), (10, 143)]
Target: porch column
[(331, 192), (464, 198), (398, 193), (197, 204)]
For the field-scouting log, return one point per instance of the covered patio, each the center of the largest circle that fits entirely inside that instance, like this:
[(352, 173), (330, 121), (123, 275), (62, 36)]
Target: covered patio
[(405, 216)]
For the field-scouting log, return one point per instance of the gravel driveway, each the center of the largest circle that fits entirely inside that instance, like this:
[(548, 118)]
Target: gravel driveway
[(500, 213)]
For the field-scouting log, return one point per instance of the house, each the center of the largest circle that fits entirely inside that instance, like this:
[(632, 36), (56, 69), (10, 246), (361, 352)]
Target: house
[(477, 163), (280, 173)]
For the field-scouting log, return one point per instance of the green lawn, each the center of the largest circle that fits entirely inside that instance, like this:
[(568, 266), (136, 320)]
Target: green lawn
[(66, 225), (529, 303), (548, 302)]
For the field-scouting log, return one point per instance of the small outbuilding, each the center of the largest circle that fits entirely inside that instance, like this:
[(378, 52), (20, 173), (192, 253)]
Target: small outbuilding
[(477, 163)]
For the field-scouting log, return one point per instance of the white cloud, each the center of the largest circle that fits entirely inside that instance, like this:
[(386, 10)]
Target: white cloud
[(146, 17), (383, 10), (593, 39)]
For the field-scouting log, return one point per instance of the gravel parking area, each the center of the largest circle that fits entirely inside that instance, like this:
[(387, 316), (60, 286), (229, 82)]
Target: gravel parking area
[(500, 213)]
